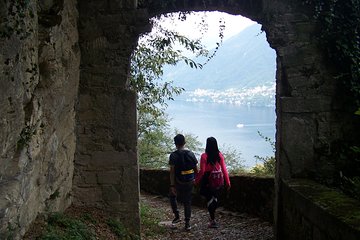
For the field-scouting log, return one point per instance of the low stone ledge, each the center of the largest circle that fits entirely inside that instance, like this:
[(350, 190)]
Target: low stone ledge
[(155, 181), (313, 211), (253, 195)]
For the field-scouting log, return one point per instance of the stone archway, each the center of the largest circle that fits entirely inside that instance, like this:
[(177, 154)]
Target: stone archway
[(40, 87), (106, 171)]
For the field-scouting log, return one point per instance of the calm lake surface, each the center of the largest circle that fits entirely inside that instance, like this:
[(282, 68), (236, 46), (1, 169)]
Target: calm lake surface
[(232, 125)]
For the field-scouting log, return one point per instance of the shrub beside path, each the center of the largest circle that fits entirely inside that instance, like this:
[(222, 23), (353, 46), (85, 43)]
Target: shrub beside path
[(232, 225)]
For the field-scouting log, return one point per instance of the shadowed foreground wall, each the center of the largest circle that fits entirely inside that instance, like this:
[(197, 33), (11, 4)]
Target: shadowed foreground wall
[(39, 69)]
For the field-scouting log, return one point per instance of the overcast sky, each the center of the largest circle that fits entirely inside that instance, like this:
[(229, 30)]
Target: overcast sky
[(233, 25)]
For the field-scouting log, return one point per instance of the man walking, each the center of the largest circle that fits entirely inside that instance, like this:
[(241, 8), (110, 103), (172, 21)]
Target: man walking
[(182, 176)]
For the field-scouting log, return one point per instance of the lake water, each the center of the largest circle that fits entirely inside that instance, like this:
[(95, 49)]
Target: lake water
[(232, 125)]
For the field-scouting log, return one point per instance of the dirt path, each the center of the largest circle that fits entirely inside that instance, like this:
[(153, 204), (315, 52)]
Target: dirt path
[(232, 226)]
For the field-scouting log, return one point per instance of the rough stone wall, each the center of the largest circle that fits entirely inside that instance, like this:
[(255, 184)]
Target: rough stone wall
[(313, 110), (312, 113), (106, 169), (39, 68), (307, 121)]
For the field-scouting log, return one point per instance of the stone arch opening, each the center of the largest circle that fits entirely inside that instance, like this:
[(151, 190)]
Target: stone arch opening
[(224, 85), (148, 183), (252, 10)]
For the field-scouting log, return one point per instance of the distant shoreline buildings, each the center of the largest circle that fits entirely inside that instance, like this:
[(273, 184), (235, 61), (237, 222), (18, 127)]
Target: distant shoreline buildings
[(261, 96)]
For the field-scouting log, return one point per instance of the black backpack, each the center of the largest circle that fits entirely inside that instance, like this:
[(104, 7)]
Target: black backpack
[(184, 166)]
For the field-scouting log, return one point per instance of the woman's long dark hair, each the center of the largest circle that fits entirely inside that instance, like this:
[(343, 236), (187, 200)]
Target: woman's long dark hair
[(212, 151)]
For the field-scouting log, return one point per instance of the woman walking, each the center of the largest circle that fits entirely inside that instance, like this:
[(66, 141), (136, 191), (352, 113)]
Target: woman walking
[(211, 177)]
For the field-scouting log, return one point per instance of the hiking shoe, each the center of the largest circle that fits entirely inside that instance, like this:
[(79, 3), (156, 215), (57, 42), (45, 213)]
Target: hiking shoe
[(213, 224), (187, 226), (176, 220)]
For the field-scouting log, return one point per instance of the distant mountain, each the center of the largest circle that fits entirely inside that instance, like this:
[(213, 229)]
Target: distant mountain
[(243, 61)]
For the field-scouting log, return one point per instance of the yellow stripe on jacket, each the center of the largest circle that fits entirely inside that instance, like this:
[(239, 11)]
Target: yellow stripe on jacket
[(187, 172)]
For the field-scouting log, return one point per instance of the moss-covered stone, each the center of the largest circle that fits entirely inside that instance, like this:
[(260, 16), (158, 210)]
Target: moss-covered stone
[(334, 202)]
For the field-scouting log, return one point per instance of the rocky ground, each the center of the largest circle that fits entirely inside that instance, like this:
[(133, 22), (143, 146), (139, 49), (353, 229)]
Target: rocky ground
[(232, 225), (156, 224)]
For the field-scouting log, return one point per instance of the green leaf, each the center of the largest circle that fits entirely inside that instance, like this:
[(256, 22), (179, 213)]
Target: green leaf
[(357, 112)]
